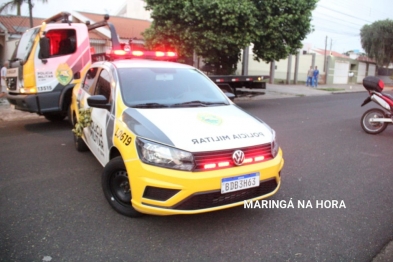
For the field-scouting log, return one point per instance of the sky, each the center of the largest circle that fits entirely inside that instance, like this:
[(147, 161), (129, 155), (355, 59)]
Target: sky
[(336, 23)]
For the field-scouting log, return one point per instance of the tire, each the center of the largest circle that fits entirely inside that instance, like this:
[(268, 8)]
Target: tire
[(80, 145), (116, 187), (373, 128), (56, 117)]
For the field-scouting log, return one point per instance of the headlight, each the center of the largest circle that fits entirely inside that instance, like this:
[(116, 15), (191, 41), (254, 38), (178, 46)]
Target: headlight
[(275, 146), (164, 156)]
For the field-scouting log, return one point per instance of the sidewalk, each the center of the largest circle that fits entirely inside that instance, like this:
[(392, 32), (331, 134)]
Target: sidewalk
[(274, 91), (8, 113)]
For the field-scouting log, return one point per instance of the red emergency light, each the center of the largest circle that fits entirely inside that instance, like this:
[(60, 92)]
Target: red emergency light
[(154, 55), (137, 53), (222, 164), (119, 52)]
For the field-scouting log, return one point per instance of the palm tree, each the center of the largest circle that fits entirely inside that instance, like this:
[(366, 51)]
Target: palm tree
[(17, 4), (11, 5)]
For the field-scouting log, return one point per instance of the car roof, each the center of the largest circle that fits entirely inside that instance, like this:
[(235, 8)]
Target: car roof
[(144, 63)]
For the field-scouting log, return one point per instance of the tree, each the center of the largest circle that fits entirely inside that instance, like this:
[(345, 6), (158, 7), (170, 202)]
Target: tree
[(11, 5), (377, 41), (284, 25), (217, 30), (17, 4)]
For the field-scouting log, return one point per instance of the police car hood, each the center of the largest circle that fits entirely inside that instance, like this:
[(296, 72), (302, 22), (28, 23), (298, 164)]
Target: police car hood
[(198, 129)]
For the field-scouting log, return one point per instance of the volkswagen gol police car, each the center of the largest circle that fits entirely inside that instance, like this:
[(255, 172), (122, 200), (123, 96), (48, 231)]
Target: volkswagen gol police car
[(170, 141)]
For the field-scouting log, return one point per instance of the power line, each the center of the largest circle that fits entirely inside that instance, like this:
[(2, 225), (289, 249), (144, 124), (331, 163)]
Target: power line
[(331, 19), (337, 24), (339, 12), (330, 30), (362, 7)]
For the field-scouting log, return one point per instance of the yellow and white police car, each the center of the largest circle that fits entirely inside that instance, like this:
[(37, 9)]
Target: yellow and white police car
[(171, 142)]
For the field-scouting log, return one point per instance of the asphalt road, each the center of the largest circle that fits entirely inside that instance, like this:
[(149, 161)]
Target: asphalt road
[(52, 207)]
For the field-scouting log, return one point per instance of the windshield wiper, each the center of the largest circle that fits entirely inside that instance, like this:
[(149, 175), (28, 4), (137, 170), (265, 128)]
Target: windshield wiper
[(197, 103), (150, 105)]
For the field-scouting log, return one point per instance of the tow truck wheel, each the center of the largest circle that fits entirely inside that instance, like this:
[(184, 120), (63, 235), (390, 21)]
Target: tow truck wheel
[(117, 189), (55, 117)]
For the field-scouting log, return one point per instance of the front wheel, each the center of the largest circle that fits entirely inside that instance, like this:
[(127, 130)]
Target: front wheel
[(373, 127), (117, 188)]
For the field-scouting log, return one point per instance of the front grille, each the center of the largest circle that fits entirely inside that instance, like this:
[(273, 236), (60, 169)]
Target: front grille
[(202, 158), (215, 199), (161, 194)]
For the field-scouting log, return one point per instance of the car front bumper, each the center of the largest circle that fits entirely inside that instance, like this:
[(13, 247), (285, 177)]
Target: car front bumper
[(161, 191)]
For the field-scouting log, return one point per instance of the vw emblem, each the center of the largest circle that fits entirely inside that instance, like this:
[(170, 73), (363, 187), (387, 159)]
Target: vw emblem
[(238, 157)]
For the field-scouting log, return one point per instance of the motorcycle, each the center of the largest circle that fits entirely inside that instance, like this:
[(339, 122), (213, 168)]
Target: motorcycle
[(375, 120)]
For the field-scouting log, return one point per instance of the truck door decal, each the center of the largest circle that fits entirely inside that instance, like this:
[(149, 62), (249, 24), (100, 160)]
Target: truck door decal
[(60, 69)]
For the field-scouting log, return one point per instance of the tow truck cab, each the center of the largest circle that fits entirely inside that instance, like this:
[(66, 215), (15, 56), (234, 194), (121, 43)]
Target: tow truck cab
[(48, 62)]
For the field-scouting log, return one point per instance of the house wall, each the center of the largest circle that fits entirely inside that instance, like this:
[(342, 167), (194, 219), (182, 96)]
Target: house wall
[(255, 67), (372, 70), (281, 68), (305, 61), (354, 67), (7, 47), (136, 9)]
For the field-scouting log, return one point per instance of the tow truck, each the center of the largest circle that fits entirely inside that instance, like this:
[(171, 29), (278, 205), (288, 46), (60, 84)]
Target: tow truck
[(51, 58), (48, 62)]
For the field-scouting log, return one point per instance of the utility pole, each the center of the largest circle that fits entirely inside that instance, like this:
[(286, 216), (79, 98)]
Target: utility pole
[(324, 61)]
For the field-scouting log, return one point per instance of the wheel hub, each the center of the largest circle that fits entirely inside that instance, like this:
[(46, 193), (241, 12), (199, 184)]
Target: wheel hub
[(121, 187)]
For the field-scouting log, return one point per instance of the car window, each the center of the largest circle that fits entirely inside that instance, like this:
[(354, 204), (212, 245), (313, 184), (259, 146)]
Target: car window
[(61, 41), (89, 78), (103, 86), (166, 86)]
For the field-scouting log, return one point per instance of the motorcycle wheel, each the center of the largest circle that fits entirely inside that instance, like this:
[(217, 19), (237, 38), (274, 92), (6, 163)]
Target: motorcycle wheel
[(373, 128)]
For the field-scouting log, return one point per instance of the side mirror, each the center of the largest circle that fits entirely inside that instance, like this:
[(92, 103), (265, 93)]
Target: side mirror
[(98, 101), (44, 48)]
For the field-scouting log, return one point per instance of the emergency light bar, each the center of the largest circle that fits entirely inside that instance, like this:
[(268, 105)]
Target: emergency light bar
[(221, 80), (128, 54)]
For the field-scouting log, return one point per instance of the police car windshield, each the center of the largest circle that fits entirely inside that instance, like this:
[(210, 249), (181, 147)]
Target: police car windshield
[(167, 87)]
